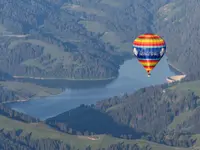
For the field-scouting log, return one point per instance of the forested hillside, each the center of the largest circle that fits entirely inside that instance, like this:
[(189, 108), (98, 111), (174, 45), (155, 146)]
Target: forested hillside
[(89, 40), (70, 39), (41, 40), (169, 114), (82, 39), (21, 132), (178, 22), (166, 114), (11, 91)]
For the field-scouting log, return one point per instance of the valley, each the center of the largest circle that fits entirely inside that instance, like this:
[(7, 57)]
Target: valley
[(90, 40)]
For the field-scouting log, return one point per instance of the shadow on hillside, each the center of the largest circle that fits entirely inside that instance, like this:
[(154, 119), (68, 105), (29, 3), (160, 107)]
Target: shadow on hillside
[(87, 119)]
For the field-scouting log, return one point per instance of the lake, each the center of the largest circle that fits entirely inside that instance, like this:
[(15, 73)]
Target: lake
[(132, 76)]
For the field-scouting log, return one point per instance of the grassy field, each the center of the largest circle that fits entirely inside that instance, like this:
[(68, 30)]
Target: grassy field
[(114, 39), (48, 48), (108, 36), (97, 27), (29, 89), (192, 86), (40, 130), (56, 54), (115, 107), (2, 28), (180, 118), (197, 145), (112, 3), (79, 8), (94, 26)]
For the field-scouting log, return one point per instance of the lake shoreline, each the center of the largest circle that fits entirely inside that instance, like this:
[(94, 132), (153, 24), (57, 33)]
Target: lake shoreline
[(28, 99), (179, 74), (23, 79), (175, 69), (131, 78), (15, 101), (126, 57), (67, 79)]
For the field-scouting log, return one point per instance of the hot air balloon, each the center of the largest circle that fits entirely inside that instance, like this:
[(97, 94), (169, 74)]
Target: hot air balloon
[(149, 49)]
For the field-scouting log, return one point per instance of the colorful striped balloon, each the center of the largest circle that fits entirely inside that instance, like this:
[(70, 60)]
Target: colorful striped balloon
[(149, 49)]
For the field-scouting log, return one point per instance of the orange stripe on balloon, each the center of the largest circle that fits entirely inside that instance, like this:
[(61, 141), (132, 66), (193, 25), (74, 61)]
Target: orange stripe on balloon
[(148, 44)]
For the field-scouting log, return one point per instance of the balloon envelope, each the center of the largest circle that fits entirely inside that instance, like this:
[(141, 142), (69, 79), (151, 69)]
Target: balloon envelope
[(149, 49)]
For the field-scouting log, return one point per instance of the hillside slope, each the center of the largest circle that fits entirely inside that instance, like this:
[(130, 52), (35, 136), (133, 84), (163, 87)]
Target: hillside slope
[(164, 114), (70, 39), (15, 134), (19, 131), (178, 22), (83, 39), (45, 41)]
